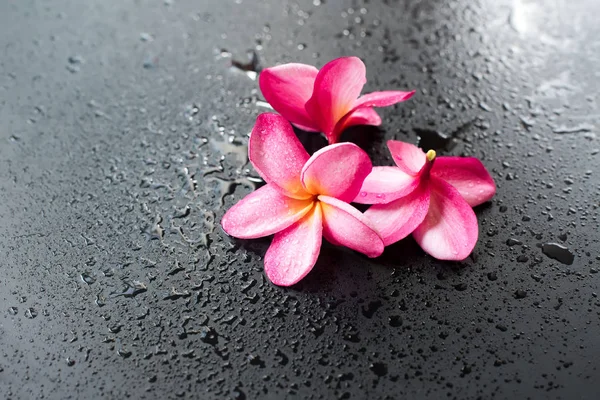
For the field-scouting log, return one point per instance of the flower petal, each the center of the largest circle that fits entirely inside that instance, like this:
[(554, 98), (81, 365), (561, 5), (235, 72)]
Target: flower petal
[(396, 220), (346, 226), (450, 230), (382, 99), (337, 86), (468, 176), (263, 213), (337, 171), (408, 157), (360, 116), (277, 154), (287, 88), (295, 250), (385, 184)]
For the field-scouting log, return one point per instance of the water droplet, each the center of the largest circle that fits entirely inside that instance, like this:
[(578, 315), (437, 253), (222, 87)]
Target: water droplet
[(100, 300), (131, 289), (31, 313), (513, 242), (395, 321), (86, 278), (150, 62), (231, 146), (238, 394), (190, 112), (558, 252), (520, 294), (74, 64), (563, 129), (372, 307), (121, 351), (146, 37), (379, 369)]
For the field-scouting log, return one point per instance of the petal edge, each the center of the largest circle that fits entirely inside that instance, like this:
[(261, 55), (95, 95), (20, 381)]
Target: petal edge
[(468, 175), (287, 88), (337, 170), (277, 154), (337, 86), (262, 213), (294, 251), (450, 229), (384, 185), (345, 225)]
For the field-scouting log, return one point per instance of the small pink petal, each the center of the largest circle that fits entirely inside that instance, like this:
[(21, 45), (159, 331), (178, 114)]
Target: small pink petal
[(337, 86), (450, 230), (287, 88), (295, 250), (277, 154), (337, 171), (360, 116), (382, 99), (263, 213), (385, 184), (468, 176), (408, 157), (396, 220), (346, 226)]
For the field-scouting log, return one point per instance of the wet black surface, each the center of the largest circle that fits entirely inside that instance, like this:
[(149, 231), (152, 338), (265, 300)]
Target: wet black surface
[(123, 128)]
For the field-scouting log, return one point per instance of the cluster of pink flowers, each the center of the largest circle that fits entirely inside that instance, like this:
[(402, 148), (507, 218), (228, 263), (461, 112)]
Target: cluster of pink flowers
[(307, 197)]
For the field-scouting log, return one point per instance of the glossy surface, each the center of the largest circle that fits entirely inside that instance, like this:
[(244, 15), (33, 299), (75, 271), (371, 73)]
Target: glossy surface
[(123, 133)]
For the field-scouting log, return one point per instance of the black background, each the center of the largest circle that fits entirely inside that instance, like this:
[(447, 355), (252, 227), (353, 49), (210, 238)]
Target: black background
[(123, 127)]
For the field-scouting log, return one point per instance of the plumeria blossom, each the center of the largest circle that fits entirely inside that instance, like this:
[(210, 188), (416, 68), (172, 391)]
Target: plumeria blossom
[(305, 198), (325, 100), (430, 197)]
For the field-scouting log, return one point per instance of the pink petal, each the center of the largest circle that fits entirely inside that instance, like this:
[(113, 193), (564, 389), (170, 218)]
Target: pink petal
[(382, 99), (295, 250), (337, 171), (361, 116), (396, 220), (277, 154), (337, 86), (468, 176), (287, 88), (385, 184), (408, 157), (263, 212), (449, 231), (346, 226)]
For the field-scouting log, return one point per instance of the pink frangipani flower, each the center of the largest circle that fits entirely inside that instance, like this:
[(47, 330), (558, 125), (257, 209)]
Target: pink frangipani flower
[(305, 198), (327, 100), (430, 197)]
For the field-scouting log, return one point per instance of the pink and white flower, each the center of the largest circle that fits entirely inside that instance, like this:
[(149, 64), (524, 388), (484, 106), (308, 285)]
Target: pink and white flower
[(305, 198), (325, 100), (430, 197)]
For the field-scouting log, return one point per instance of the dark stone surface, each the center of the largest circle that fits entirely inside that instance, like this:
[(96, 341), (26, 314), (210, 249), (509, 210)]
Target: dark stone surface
[(116, 167)]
